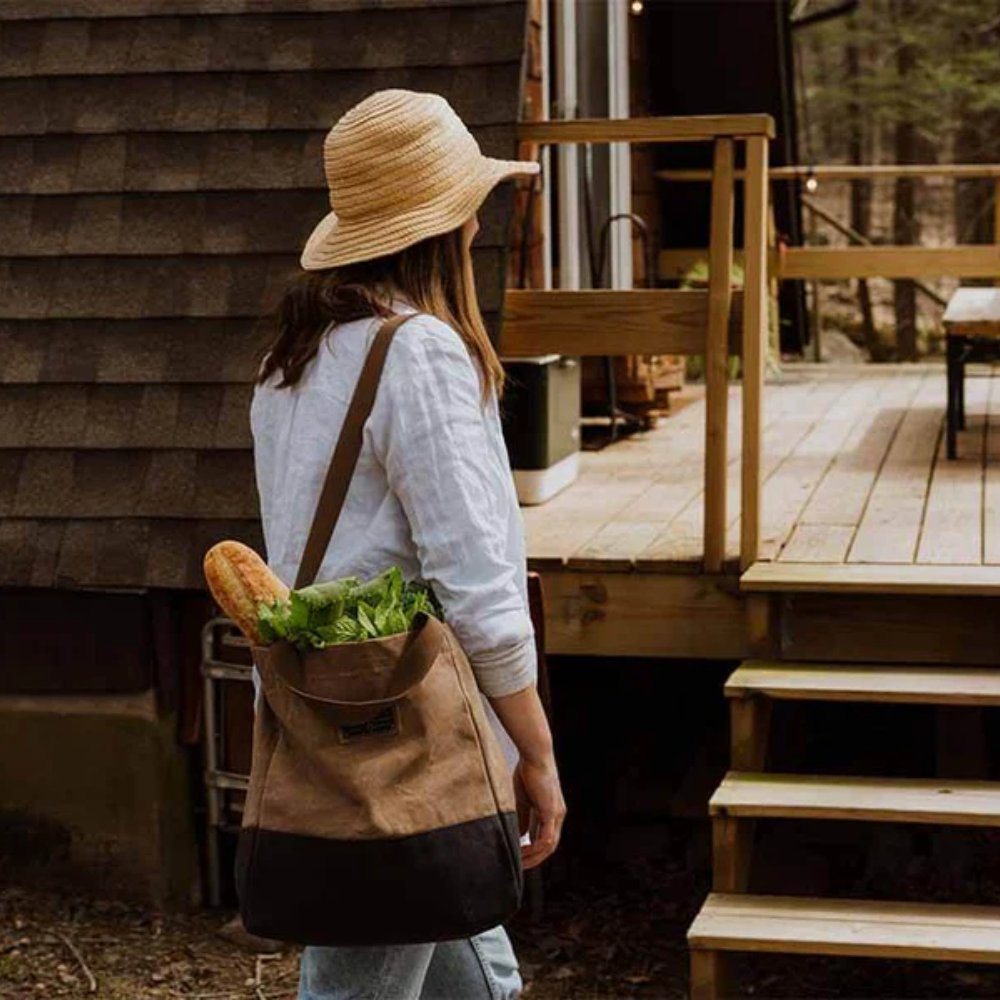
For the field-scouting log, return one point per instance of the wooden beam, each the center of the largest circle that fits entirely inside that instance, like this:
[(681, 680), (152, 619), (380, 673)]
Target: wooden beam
[(755, 341), (851, 172), (837, 263), (672, 615), (720, 279), (595, 322), (692, 128), (829, 263)]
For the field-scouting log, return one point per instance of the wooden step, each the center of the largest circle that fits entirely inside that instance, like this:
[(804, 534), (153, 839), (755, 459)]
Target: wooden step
[(867, 682), (861, 578), (847, 927), (884, 800)]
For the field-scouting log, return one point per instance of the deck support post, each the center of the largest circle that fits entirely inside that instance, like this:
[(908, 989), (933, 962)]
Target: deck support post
[(754, 341), (996, 217), (763, 619), (732, 839), (960, 752), (750, 721), (709, 975), (732, 848), (720, 279)]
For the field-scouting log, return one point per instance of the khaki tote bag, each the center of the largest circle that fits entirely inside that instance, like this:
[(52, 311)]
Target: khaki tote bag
[(380, 808)]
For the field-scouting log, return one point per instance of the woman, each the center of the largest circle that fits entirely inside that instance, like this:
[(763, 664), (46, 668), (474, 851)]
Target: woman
[(432, 491)]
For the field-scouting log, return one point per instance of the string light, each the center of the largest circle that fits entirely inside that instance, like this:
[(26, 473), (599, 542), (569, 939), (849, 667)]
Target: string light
[(637, 6), (812, 185)]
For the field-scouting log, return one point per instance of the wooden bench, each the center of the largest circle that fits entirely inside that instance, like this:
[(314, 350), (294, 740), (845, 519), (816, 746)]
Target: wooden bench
[(972, 333)]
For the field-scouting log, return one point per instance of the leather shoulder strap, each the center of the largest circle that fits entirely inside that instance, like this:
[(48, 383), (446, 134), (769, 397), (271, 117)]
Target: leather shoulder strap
[(345, 455)]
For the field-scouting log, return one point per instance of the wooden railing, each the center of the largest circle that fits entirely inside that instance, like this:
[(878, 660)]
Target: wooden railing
[(839, 262), (670, 321)]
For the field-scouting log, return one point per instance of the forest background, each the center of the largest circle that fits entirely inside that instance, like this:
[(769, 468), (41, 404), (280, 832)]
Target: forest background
[(896, 82)]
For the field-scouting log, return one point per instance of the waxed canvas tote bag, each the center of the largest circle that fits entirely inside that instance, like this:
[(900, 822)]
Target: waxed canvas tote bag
[(380, 808)]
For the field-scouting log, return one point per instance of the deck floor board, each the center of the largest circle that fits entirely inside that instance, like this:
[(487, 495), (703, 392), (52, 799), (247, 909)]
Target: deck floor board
[(853, 468)]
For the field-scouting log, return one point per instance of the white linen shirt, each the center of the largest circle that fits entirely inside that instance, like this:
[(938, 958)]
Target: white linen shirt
[(432, 491)]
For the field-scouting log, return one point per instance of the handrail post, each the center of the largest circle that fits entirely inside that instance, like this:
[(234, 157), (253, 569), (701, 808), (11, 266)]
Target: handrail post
[(755, 327), (996, 218), (720, 270)]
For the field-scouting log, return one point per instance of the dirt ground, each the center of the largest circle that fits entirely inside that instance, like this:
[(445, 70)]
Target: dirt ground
[(608, 936), (588, 943), (57, 946), (626, 883)]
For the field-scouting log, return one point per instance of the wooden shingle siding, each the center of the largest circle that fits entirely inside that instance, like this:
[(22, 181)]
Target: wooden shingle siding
[(135, 287), (155, 351), (107, 552), (39, 10), (222, 223), (160, 169), (363, 40), (207, 102), (184, 161), (132, 482), (124, 416)]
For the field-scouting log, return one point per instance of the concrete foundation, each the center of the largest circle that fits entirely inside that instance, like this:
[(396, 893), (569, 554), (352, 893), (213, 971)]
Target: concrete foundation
[(96, 793)]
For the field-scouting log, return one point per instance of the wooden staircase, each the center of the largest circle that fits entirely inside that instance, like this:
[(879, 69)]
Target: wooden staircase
[(734, 921)]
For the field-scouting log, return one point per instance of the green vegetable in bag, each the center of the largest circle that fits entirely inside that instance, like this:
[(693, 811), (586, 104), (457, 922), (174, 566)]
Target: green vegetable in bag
[(347, 610)]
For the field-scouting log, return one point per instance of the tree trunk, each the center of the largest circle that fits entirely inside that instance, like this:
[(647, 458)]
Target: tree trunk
[(905, 225), (861, 190), (976, 141)]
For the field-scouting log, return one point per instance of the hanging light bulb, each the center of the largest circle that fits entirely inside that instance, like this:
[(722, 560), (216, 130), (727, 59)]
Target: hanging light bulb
[(636, 7), (812, 185)]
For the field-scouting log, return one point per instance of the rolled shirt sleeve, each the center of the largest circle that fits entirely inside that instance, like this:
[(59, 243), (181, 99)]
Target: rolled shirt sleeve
[(431, 435)]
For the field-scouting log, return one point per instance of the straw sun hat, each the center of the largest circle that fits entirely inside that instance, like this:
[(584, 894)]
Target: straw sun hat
[(401, 167)]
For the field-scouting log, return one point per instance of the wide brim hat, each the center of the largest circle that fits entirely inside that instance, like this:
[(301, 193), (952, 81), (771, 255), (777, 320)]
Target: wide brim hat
[(401, 167)]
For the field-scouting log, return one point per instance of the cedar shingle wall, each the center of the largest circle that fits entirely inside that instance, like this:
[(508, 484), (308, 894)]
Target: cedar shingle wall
[(159, 171)]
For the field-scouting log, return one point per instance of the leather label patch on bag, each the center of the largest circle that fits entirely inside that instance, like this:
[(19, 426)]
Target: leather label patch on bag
[(386, 723)]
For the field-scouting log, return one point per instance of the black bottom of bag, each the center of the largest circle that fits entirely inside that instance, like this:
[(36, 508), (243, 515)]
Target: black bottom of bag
[(437, 886)]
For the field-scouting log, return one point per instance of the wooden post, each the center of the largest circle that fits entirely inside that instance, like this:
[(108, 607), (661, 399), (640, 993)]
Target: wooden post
[(732, 850), (732, 839), (996, 217), (773, 285), (709, 979), (720, 270), (754, 341), (750, 723), (764, 625)]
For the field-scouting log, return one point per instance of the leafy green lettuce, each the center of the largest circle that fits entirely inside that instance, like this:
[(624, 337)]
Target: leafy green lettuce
[(346, 610)]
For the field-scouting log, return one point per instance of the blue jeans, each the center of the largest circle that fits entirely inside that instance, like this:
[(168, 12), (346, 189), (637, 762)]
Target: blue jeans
[(483, 967)]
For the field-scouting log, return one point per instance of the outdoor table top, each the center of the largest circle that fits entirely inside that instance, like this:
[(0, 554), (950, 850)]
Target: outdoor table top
[(974, 311)]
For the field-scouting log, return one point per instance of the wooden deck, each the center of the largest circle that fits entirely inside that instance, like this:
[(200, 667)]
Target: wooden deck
[(853, 468)]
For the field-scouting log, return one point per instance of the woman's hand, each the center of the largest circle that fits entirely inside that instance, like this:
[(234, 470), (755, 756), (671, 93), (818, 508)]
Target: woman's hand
[(541, 808)]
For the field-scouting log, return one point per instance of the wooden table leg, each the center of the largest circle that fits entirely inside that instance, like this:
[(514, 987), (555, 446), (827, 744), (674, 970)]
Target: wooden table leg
[(954, 374), (961, 387)]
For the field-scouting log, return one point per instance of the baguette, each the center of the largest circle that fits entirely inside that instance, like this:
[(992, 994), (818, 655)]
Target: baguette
[(239, 581)]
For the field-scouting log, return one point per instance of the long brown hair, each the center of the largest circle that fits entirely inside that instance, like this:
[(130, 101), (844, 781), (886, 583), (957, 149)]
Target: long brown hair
[(435, 276)]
